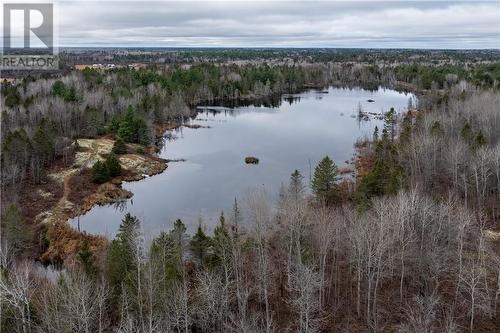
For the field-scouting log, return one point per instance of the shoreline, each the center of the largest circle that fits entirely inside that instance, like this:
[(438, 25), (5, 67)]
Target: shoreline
[(79, 195), (69, 192), (77, 201)]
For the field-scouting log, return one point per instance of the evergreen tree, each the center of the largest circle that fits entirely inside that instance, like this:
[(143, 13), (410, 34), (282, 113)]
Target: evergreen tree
[(200, 244), (87, 259), (133, 128), (59, 88), (119, 147), (113, 166), (104, 171), (166, 253), (100, 173), (122, 261), (390, 123), (143, 135), (406, 128), (125, 131), (70, 95), (179, 231), (221, 243), (114, 125), (12, 97), (323, 183)]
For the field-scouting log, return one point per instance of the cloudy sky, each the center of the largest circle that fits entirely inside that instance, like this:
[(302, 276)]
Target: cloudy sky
[(371, 24)]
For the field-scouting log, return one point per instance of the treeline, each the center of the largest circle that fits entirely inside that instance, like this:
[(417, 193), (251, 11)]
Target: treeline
[(445, 76), (68, 58), (407, 264), (42, 117)]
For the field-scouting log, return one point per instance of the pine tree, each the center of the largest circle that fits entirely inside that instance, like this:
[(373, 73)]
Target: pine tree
[(323, 183), (406, 128), (179, 232), (119, 147), (221, 242), (100, 172), (200, 244), (167, 254), (114, 124), (390, 123), (70, 95), (129, 231), (86, 258), (143, 135), (113, 166), (59, 88), (125, 132), (122, 254)]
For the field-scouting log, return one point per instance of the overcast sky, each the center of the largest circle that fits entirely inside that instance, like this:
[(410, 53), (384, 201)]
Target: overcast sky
[(370, 24)]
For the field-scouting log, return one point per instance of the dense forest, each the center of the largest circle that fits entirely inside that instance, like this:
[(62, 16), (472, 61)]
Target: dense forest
[(410, 245), (42, 117)]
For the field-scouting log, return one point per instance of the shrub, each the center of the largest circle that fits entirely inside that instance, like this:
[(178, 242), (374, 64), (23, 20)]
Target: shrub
[(104, 171)]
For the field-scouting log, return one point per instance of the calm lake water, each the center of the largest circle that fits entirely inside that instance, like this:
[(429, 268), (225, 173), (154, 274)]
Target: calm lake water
[(300, 131)]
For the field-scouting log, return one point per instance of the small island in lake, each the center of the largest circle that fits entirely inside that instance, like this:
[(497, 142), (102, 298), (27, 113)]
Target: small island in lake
[(251, 160)]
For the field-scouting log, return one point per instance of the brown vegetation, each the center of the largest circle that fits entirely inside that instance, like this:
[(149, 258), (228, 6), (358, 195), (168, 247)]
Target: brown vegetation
[(65, 242)]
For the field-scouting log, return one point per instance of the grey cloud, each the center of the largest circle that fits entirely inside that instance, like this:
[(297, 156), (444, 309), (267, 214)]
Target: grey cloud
[(277, 23)]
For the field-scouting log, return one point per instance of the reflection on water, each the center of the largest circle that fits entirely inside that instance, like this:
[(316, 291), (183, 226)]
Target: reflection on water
[(288, 133)]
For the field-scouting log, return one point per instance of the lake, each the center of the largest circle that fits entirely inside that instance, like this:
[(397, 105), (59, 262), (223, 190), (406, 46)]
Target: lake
[(294, 135)]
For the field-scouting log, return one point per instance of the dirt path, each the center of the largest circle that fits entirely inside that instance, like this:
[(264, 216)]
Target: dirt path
[(66, 188), (91, 151)]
